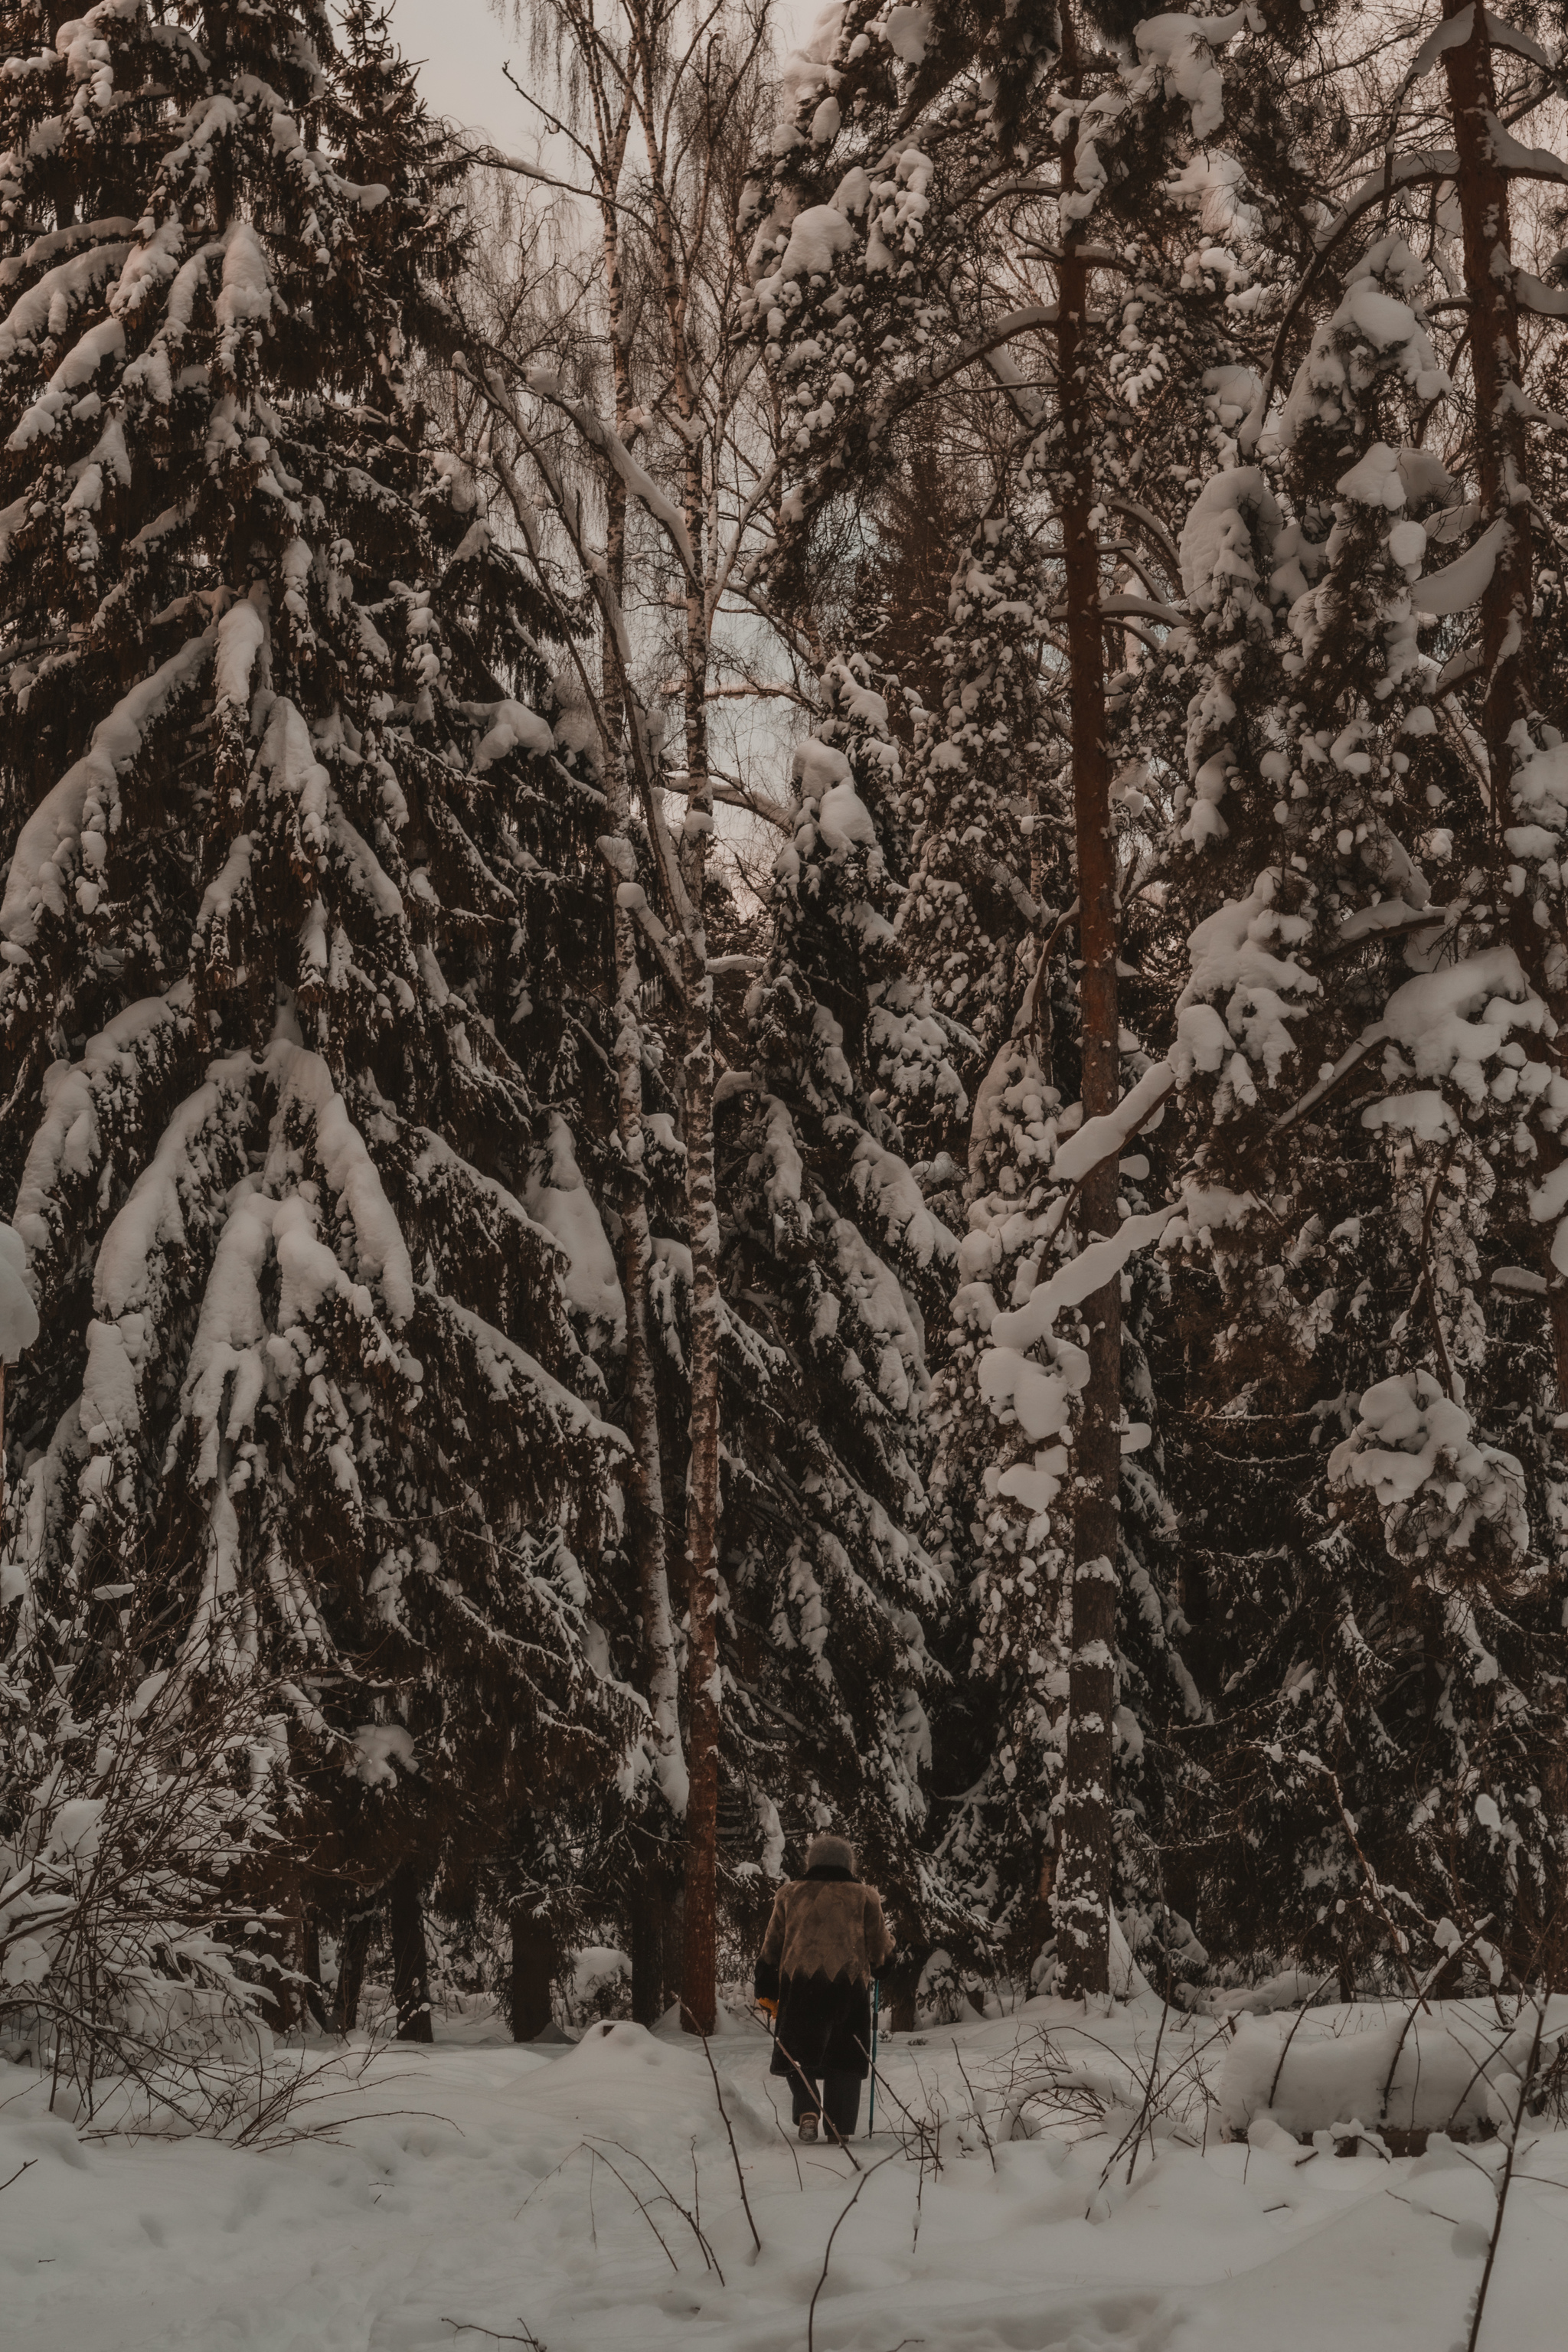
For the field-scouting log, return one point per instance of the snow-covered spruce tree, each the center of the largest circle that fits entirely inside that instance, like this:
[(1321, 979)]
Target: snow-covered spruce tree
[(298, 894), (1004, 1419), (971, 925), (1360, 1067), (993, 874), (875, 291), (995, 764), (924, 511), (833, 1261)]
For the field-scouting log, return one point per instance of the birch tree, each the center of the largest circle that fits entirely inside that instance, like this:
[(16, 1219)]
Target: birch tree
[(666, 95)]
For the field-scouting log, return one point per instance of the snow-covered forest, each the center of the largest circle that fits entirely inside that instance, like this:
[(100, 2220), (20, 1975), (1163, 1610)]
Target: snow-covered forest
[(783, 1048)]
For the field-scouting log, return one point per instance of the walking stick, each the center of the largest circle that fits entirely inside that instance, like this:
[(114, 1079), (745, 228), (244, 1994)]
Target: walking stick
[(876, 2006)]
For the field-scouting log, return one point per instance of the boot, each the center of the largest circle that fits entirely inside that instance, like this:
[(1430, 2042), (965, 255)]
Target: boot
[(808, 2127)]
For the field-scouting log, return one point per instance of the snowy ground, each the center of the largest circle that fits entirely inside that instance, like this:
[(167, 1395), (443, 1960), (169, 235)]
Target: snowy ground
[(467, 2194)]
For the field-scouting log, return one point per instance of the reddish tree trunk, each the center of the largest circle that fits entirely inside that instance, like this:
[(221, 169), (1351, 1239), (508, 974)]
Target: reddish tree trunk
[(1501, 433), (1502, 462)]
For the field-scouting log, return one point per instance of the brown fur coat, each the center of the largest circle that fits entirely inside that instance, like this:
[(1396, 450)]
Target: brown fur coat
[(825, 1940)]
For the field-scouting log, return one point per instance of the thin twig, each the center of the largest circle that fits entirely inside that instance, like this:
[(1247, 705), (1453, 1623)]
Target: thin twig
[(550, 2176), (913, 2121), (1428, 1982), (641, 2207), (1291, 2037), (1506, 2180), (734, 2151), (1373, 1887), (691, 2219), (827, 2250), (1494, 2050), (800, 2179), (1146, 2112), (472, 2327), (975, 2107)]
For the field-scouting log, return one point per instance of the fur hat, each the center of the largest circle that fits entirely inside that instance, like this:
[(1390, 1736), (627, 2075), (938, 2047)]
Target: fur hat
[(830, 1853)]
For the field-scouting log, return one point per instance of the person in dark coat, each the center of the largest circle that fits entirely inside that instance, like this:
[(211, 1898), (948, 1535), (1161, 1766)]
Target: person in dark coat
[(825, 1941)]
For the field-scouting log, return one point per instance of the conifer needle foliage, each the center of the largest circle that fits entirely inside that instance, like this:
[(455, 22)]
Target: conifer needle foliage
[(978, 1255), (294, 909)]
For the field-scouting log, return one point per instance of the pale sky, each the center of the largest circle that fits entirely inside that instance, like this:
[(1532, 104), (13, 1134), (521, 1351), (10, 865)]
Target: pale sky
[(461, 45)]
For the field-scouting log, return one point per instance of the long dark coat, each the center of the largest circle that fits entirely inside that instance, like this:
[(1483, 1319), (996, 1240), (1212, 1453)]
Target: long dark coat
[(825, 1941)]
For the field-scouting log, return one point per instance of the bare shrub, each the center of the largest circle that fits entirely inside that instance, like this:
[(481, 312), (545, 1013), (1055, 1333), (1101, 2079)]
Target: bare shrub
[(136, 1967)]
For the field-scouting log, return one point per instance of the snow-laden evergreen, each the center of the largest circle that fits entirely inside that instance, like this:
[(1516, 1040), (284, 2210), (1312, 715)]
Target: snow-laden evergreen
[(296, 903), (835, 1260), (550, 1350), (1367, 1091)]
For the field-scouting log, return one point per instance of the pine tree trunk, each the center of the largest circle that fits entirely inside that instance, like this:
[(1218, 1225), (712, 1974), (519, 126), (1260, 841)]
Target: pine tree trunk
[(1502, 456), (654, 1923), (1039, 1920), (410, 1967), (1083, 1878), (674, 1917), (645, 1943), (353, 1950), (1503, 463), (533, 1957)]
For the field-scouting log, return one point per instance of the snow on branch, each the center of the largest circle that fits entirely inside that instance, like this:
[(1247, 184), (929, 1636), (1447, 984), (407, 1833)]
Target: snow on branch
[(1417, 169), (66, 1140), (1079, 1278), (1533, 294), (1455, 31), (1181, 49), (1465, 582), (76, 818), (1428, 1016), (1413, 1447), (45, 309), (1097, 1139), (883, 1182), (1525, 163), (507, 1366), (304, 1078), (18, 1316), (608, 443), (131, 1293), (241, 634)]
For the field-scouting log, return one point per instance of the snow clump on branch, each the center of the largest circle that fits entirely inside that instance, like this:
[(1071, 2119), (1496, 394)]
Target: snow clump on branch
[(1413, 1448)]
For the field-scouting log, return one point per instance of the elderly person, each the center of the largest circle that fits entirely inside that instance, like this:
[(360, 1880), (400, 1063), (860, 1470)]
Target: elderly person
[(825, 1941)]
